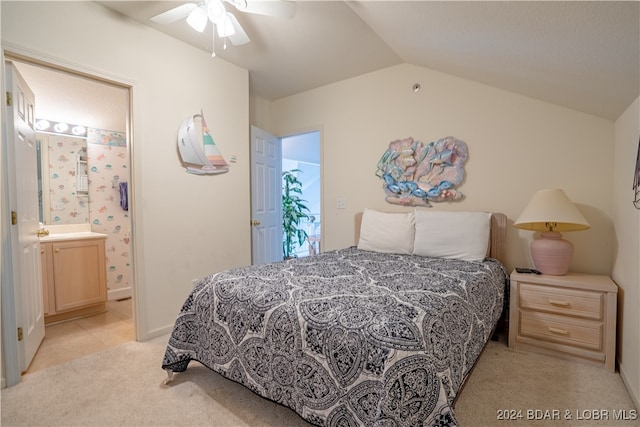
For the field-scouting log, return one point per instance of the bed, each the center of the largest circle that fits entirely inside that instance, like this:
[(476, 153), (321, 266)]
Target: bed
[(366, 335)]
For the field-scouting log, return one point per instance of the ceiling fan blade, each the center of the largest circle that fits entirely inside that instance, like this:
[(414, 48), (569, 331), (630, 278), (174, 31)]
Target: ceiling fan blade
[(172, 15), (240, 37), (279, 8)]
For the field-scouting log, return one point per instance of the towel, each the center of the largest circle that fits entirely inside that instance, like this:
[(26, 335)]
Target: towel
[(124, 196)]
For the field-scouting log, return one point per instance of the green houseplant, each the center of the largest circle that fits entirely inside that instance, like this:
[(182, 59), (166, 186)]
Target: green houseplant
[(294, 211)]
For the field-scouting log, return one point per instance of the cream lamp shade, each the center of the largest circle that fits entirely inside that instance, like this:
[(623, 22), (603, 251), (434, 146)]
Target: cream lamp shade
[(551, 211)]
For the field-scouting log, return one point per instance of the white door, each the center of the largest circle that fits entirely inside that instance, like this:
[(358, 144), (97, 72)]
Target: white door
[(23, 190), (266, 197)]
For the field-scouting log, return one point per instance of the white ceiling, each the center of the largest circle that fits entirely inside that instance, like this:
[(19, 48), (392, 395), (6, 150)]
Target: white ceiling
[(582, 55), (73, 99)]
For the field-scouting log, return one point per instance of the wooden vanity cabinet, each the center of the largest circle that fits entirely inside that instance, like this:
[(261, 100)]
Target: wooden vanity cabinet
[(74, 278)]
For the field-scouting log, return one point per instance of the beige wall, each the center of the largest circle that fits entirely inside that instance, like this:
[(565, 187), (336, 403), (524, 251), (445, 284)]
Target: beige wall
[(185, 226), (517, 145), (626, 266)]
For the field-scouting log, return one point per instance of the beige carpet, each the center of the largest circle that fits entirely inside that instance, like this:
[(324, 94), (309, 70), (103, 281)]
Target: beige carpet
[(123, 386), (535, 386)]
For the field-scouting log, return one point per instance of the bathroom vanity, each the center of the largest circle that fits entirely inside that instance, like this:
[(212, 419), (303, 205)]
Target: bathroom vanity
[(74, 276)]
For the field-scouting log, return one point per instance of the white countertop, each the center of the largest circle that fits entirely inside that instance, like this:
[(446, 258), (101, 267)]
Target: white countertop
[(70, 232), (78, 235)]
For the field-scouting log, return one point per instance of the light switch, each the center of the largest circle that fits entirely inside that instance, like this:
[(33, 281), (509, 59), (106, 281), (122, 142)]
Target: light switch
[(341, 203)]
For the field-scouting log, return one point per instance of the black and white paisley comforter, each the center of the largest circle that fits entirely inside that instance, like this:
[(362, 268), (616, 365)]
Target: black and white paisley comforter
[(347, 337)]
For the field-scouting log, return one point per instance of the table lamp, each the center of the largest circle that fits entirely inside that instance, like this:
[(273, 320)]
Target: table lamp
[(550, 212)]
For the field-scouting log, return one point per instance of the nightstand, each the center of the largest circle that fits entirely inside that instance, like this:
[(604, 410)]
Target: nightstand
[(571, 316)]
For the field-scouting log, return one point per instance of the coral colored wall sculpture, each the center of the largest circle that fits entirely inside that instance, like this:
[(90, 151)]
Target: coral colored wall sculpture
[(416, 174)]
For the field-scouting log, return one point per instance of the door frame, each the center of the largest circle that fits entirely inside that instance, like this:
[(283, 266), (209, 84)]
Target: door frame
[(9, 322)]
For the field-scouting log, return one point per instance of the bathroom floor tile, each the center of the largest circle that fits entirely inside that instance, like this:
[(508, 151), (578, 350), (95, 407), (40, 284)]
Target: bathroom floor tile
[(72, 339)]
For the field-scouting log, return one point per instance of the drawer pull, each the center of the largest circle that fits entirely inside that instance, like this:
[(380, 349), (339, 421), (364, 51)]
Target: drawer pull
[(558, 331), (558, 302)]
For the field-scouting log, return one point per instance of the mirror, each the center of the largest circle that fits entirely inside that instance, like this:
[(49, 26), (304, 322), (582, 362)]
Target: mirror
[(63, 185)]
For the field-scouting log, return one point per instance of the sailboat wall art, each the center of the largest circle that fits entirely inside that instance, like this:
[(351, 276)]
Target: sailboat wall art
[(198, 150)]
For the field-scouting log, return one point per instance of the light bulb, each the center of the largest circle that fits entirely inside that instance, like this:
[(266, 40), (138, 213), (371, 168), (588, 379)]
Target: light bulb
[(78, 130), (60, 127), (42, 124)]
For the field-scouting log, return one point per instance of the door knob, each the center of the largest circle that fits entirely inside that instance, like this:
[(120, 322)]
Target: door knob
[(255, 222)]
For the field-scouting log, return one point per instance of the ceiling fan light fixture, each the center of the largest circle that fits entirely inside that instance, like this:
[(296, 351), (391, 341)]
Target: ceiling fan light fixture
[(197, 19), (241, 5), (216, 11), (225, 28)]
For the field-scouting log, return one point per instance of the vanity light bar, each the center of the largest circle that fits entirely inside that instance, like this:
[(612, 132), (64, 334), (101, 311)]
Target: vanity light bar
[(60, 128)]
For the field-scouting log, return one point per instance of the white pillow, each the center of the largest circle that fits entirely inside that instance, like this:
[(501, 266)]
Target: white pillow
[(461, 235), (387, 232)]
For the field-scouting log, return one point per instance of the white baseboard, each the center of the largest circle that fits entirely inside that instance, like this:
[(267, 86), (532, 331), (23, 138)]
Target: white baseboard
[(155, 333), (628, 384), (121, 293)]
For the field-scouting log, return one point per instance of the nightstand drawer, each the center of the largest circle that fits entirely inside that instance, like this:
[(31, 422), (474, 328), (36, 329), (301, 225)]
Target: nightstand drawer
[(570, 302), (560, 329), (571, 316)]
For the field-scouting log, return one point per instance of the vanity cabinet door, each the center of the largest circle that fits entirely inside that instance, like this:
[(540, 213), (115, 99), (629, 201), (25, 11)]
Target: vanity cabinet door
[(79, 269), (47, 275)]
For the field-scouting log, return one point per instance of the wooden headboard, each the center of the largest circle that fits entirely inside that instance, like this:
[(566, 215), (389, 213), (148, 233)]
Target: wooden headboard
[(498, 234)]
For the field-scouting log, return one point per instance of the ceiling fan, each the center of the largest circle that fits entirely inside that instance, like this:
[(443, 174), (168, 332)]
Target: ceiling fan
[(225, 24)]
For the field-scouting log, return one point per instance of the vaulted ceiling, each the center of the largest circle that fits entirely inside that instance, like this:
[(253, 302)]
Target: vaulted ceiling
[(582, 55)]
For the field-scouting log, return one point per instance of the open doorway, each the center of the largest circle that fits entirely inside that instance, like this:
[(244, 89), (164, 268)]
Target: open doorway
[(94, 199), (301, 152)]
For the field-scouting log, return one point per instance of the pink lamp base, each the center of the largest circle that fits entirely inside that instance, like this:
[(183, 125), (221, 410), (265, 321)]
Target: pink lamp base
[(552, 254)]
